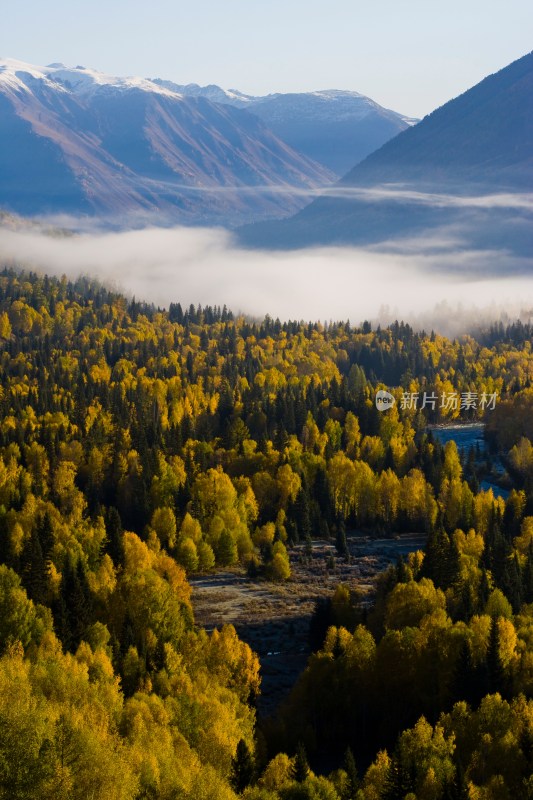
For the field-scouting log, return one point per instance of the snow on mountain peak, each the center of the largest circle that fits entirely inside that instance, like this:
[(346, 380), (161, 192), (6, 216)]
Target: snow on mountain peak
[(82, 80), (18, 75), (211, 92)]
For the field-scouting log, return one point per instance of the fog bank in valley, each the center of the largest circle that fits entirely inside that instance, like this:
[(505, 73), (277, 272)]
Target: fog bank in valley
[(431, 283)]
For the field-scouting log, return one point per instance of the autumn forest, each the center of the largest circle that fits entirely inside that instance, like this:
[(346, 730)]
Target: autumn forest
[(140, 447)]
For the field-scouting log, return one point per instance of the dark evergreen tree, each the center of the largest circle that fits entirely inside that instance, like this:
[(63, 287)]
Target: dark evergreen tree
[(301, 765), (484, 590), (319, 624), (34, 571), (6, 556), (495, 670), (437, 557), (76, 603), (511, 582), (467, 602), (466, 683), (242, 767), (46, 536), (114, 544), (513, 514), (527, 576), (302, 514), (293, 534), (353, 777), (61, 620), (400, 779), (452, 566), (322, 496), (340, 540)]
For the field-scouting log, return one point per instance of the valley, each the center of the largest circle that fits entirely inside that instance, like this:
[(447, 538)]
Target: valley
[(274, 618), (239, 559)]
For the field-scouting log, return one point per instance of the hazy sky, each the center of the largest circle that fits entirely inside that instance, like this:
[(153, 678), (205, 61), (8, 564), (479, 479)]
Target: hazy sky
[(410, 56)]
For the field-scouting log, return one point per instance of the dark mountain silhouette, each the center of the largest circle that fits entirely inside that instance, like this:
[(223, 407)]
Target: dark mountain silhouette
[(477, 145)]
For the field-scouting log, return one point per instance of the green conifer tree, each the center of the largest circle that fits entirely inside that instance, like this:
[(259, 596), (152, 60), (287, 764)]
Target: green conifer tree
[(301, 765), (242, 767)]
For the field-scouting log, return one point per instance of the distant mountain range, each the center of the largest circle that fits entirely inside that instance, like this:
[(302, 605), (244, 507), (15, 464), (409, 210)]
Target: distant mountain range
[(467, 167), (336, 128), (76, 141)]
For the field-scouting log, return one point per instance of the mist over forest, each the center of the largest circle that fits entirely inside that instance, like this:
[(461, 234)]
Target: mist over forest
[(429, 282)]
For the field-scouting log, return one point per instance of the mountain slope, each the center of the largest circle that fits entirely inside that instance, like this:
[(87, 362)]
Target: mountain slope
[(336, 128), (77, 141), (479, 144), (485, 135)]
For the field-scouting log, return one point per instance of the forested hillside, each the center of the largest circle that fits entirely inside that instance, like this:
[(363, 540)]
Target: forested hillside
[(139, 446)]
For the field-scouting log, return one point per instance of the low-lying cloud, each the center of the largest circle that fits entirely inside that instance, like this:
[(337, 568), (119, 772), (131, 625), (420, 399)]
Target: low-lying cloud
[(431, 283), (388, 192), (379, 193)]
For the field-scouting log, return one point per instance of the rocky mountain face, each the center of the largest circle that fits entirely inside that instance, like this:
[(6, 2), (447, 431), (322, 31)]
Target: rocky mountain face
[(75, 141), (336, 128)]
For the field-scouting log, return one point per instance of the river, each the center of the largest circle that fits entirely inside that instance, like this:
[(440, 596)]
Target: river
[(473, 435)]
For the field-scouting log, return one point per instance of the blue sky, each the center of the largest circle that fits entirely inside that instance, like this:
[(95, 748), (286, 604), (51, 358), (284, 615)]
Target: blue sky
[(411, 56)]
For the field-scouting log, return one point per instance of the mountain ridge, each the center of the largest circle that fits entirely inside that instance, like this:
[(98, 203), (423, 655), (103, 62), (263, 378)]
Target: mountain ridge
[(336, 127), (478, 144), (93, 144)]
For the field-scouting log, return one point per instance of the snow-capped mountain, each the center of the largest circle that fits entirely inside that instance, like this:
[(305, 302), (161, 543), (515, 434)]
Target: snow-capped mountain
[(216, 94), (78, 80), (334, 127), (76, 140)]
